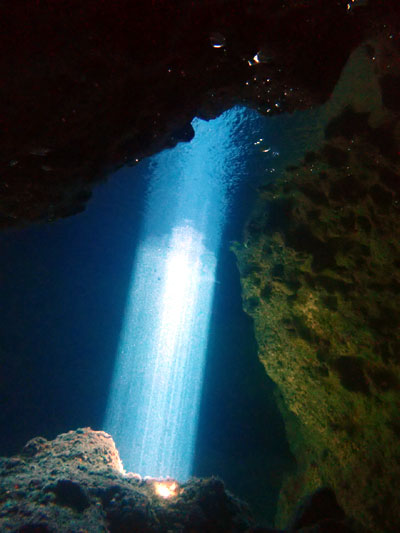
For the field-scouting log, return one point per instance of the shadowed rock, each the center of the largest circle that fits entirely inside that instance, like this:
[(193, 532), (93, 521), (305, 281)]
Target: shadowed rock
[(93, 86), (76, 483)]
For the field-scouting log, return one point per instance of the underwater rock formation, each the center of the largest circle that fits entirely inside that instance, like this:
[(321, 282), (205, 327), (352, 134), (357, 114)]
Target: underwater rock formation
[(89, 86), (320, 270), (76, 483)]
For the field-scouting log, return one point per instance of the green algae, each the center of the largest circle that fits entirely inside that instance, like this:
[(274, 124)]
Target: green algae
[(320, 277)]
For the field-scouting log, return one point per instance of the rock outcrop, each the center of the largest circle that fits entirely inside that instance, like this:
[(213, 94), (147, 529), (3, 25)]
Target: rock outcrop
[(320, 270), (76, 484), (321, 279)]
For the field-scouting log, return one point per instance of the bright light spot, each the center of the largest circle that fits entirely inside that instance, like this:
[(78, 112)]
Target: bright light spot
[(181, 284), (256, 58), (217, 40), (166, 489)]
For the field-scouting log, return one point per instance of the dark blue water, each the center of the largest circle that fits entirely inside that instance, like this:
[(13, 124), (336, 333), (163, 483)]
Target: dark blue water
[(62, 291), (62, 294)]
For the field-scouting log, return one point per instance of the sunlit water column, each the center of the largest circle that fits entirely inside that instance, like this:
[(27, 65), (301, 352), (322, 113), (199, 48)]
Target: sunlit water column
[(155, 395)]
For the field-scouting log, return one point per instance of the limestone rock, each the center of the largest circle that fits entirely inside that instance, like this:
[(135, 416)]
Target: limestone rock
[(320, 276), (76, 483)]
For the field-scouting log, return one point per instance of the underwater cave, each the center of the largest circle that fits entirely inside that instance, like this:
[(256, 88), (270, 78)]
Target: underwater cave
[(199, 284), (70, 289)]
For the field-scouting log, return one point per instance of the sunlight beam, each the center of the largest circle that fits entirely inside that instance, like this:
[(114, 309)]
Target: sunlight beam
[(155, 395)]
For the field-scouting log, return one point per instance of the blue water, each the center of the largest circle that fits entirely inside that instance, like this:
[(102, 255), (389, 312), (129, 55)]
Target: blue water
[(64, 298), (158, 379)]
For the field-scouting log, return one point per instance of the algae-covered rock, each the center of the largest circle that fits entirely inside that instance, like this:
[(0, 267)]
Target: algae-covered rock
[(321, 279), (76, 483)]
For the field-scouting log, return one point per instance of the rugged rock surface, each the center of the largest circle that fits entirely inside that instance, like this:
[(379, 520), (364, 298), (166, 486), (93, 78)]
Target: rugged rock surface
[(76, 484), (320, 275), (88, 86)]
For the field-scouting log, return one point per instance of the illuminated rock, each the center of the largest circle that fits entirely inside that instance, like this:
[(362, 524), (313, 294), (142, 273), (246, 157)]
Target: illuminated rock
[(320, 277), (76, 483)]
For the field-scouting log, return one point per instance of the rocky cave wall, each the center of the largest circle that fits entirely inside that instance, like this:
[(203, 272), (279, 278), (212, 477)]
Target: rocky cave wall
[(320, 276)]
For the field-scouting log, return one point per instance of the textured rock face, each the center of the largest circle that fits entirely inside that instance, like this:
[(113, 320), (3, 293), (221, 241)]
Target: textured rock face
[(88, 86), (76, 483), (320, 276)]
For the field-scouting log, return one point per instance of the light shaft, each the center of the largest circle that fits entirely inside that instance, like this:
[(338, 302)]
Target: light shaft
[(155, 394)]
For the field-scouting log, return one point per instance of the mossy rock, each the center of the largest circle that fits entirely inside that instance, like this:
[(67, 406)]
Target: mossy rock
[(322, 283)]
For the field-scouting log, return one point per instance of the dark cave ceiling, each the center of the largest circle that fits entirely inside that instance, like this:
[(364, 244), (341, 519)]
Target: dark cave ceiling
[(89, 86)]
